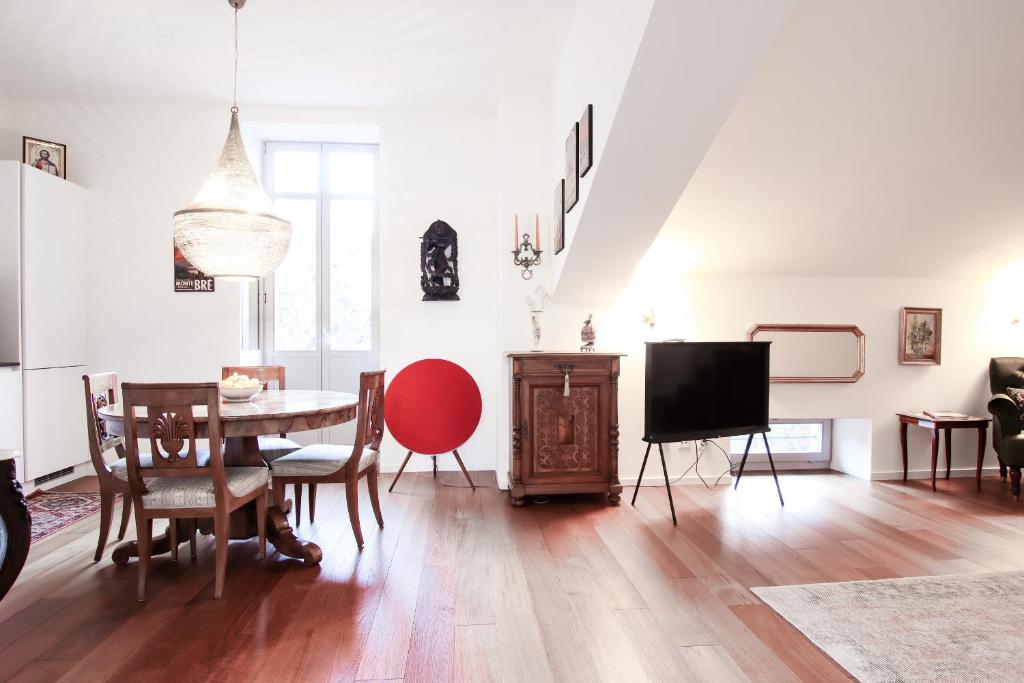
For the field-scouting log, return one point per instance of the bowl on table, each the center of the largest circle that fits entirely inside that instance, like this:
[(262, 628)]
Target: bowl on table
[(239, 388)]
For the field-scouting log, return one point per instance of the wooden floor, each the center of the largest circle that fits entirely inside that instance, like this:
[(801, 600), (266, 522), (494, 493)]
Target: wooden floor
[(462, 586)]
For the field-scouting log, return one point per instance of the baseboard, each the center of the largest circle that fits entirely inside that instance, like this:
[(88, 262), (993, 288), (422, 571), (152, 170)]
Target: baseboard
[(958, 472)]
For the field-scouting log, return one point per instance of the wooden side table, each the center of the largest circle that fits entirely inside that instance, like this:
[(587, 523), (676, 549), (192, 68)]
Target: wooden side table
[(947, 426)]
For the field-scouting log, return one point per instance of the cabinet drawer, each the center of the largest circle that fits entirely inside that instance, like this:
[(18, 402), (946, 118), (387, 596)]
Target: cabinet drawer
[(555, 367)]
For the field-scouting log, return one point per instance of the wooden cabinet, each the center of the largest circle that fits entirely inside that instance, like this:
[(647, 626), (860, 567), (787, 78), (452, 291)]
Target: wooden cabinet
[(565, 424)]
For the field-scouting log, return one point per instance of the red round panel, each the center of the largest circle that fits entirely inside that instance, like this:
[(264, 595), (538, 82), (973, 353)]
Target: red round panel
[(432, 406)]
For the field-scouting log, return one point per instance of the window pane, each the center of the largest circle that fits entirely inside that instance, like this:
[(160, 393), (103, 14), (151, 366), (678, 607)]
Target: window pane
[(351, 277), (795, 437), (351, 172), (296, 171), (295, 280)]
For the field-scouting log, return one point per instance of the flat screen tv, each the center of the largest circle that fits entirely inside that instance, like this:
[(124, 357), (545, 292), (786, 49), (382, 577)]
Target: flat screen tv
[(704, 390)]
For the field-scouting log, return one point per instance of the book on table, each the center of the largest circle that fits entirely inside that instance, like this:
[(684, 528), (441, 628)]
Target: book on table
[(945, 415)]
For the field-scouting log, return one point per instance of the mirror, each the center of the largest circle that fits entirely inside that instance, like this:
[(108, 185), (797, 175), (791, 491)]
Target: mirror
[(813, 353)]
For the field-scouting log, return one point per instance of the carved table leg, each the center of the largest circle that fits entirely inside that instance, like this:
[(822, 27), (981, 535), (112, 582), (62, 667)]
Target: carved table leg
[(161, 544), (518, 501), (280, 533)]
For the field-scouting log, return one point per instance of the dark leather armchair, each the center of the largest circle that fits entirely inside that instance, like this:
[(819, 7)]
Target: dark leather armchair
[(1004, 373)]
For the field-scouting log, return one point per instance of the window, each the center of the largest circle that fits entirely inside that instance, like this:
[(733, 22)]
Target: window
[(791, 440), (321, 313)]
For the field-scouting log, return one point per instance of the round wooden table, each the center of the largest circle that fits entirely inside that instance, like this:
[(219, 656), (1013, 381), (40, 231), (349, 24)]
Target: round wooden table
[(270, 412)]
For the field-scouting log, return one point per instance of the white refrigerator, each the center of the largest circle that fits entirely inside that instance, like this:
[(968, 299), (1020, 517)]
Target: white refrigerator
[(51, 229)]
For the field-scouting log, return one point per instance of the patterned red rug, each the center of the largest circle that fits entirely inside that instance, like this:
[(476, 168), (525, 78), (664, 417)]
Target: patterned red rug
[(52, 511)]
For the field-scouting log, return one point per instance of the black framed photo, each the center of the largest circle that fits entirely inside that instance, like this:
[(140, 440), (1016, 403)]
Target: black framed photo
[(572, 176), (586, 141), (48, 157), (559, 221)]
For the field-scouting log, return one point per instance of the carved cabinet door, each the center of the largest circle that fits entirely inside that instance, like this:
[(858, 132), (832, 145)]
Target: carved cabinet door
[(566, 437)]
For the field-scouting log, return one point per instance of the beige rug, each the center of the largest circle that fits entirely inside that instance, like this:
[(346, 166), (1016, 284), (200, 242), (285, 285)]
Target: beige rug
[(943, 628)]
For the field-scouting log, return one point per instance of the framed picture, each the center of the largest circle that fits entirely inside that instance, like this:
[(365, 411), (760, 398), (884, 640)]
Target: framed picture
[(572, 176), (188, 278), (586, 141), (559, 221), (49, 157), (920, 336)]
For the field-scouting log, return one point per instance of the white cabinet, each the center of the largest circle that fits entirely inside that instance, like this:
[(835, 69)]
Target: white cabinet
[(55, 431), (10, 415), (54, 237), (44, 270)]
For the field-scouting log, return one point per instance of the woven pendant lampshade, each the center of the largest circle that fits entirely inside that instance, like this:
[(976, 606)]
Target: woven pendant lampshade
[(230, 230)]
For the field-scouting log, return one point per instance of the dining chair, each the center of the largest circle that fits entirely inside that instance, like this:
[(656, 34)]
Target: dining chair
[(273, 447), (334, 464), (101, 391), (175, 486)]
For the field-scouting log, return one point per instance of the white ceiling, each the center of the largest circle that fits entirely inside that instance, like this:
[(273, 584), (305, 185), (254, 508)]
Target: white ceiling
[(305, 53), (877, 138)]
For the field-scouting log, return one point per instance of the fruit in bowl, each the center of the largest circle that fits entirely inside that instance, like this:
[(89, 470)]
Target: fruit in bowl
[(238, 388)]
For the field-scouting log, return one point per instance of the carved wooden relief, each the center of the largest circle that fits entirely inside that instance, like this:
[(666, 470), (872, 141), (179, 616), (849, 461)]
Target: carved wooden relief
[(171, 429), (566, 436)]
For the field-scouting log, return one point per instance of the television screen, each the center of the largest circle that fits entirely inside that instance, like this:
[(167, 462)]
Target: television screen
[(703, 390)]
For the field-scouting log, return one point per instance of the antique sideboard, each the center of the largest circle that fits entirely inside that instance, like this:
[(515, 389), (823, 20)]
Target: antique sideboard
[(565, 425)]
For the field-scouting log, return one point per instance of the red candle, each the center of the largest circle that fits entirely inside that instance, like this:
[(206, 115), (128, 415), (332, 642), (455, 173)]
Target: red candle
[(537, 245), (517, 232)]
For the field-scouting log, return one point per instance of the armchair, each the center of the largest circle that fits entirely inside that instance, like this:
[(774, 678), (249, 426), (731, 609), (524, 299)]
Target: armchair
[(1005, 373)]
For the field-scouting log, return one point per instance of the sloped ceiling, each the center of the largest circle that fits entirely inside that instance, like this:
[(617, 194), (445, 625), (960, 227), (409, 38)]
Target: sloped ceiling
[(877, 138), (347, 53)]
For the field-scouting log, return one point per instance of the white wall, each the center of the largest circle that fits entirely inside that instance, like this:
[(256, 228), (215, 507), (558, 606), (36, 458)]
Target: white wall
[(141, 163), (977, 324)]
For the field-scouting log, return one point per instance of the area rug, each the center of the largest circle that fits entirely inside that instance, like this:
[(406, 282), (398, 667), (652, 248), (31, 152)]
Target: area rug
[(53, 510), (932, 628)]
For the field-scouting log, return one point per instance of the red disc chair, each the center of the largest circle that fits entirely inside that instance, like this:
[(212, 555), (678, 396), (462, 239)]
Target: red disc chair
[(432, 407)]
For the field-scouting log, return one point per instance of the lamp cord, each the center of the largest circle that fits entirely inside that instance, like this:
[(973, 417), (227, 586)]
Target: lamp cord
[(234, 91)]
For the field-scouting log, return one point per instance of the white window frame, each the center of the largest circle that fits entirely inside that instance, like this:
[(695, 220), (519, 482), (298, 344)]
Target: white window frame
[(783, 460)]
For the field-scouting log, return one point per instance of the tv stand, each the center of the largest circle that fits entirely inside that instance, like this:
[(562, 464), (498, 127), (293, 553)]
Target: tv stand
[(739, 473)]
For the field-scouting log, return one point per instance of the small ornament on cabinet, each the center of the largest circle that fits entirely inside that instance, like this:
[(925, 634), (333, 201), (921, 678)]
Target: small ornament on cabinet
[(536, 302), (588, 337)]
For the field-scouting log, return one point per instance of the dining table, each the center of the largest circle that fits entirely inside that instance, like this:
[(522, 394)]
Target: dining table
[(270, 412)]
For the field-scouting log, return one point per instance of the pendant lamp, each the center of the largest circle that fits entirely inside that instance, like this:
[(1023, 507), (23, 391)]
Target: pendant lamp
[(230, 229)]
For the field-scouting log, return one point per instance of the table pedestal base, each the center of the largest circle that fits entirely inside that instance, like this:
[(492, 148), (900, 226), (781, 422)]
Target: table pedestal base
[(243, 527)]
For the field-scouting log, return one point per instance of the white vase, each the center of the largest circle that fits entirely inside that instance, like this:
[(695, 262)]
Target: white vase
[(537, 328)]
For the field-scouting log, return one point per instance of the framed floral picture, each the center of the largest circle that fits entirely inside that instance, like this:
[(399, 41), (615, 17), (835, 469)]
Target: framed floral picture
[(920, 336), (572, 171)]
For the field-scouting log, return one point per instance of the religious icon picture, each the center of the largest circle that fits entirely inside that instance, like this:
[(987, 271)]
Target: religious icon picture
[(920, 336), (586, 142), (49, 157), (188, 278), (559, 217), (572, 176)]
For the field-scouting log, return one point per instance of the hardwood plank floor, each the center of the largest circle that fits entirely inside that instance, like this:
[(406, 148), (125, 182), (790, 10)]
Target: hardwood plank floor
[(462, 586)]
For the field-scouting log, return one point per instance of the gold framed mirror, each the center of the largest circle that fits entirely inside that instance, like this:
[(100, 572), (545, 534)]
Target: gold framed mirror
[(813, 354)]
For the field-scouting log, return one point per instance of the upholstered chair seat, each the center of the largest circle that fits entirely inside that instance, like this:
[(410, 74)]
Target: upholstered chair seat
[(274, 447), (320, 460), (198, 492), (119, 468)]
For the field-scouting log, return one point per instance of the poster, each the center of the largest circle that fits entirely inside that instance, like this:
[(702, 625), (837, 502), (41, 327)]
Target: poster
[(187, 278)]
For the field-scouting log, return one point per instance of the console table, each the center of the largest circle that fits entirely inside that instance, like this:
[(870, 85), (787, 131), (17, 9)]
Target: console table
[(947, 426), (565, 424)]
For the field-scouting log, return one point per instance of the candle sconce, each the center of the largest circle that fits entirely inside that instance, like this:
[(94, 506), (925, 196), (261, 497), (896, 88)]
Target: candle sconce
[(526, 256)]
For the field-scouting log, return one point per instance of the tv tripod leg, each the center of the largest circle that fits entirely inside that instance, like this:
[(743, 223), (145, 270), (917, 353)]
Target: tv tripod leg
[(772, 463), (668, 487), (743, 462), (640, 478)]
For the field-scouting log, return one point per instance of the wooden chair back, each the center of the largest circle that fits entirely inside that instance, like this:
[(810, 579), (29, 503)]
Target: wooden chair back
[(171, 423), (264, 373), (100, 391), (370, 413)]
